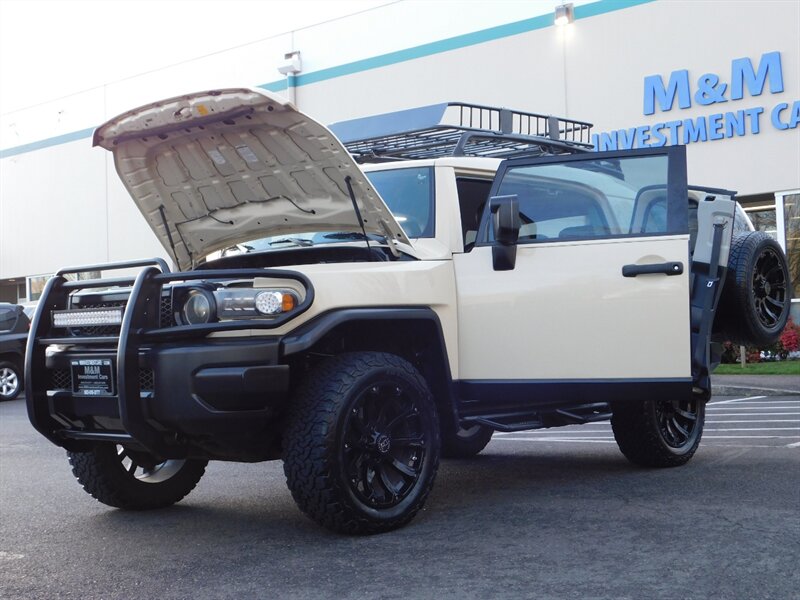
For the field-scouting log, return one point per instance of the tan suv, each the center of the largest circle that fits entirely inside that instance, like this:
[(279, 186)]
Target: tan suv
[(482, 270)]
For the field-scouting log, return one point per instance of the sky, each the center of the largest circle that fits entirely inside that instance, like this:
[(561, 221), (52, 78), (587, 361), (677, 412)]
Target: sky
[(54, 48)]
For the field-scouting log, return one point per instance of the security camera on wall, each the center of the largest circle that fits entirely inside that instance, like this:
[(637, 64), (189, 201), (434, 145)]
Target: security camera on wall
[(292, 64)]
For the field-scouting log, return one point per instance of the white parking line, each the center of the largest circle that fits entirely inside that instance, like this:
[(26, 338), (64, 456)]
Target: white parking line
[(759, 407), (758, 421), (575, 440), (795, 445), (745, 402), (759, 399), (797, 429), (738, 400), (780, 414), (750, 437)]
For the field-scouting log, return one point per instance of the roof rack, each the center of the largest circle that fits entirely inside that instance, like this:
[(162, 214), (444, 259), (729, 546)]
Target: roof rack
[(460, 129)]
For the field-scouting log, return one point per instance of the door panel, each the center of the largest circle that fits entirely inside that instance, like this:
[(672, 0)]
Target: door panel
[(566, 311)]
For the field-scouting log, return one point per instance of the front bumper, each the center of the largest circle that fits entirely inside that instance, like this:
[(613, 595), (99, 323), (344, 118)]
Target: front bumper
[(192, 389)]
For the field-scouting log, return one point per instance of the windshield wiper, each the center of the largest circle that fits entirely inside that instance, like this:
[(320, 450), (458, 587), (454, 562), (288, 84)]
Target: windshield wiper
[(296, 241), (351, 235)]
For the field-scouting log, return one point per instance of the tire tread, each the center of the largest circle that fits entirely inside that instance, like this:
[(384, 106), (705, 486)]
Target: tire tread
[(310, 472), (639, 438), (100, 475)]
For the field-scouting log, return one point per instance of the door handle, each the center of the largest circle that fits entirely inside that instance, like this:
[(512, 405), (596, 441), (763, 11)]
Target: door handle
[(667, 268)]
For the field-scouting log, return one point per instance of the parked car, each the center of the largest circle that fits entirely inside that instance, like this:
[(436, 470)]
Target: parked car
[(359, 304), (14, 325)]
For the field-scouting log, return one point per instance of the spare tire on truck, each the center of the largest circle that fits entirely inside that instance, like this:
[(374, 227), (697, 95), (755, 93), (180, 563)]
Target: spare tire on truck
[(756, 297)]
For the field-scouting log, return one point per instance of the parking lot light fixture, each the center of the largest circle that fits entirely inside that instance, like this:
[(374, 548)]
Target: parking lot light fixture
[(565, 14)]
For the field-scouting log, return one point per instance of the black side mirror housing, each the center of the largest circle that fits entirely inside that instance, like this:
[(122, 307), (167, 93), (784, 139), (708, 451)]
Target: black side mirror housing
[(505, 221)]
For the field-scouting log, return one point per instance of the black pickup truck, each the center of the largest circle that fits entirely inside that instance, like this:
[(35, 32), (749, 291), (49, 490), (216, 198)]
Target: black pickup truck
[(14, 325)]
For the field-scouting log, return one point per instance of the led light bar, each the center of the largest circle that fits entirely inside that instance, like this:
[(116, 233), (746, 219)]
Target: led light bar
[(87, 317)]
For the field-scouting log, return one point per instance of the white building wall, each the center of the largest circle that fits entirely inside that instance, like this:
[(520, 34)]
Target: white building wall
[(61, 203)]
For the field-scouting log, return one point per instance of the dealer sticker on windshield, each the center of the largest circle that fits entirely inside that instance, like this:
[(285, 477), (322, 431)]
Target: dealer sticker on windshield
[(93, 377)]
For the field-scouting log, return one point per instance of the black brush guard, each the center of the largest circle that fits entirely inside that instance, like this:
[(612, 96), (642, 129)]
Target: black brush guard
[(140, 327)]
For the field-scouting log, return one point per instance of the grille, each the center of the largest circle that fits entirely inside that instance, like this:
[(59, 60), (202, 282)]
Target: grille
[(61, 379), (146, 380), (165, 317)]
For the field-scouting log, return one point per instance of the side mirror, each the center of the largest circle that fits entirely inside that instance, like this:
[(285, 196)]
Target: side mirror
[(505, 221)]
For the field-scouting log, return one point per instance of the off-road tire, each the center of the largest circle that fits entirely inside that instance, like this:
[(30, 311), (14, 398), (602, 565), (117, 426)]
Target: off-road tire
[(464, 442), (645, 432), (356, 414), (756, 297), (12, 375), (106, 474)]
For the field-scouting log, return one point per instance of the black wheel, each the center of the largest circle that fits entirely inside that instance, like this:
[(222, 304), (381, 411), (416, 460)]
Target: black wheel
[(659, 433), (756, 297), (10, 381), (361, 448), (466, 441), (133, 480)]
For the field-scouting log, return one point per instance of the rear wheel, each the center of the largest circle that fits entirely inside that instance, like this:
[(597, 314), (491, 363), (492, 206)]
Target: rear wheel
[(134, 480), (10, 380), (362, 443), (657, 433)]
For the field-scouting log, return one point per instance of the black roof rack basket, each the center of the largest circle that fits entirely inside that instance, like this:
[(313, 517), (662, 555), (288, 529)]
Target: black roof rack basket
[(461, 129)]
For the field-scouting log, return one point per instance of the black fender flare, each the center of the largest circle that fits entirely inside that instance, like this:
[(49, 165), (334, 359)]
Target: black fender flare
[(309, 333)]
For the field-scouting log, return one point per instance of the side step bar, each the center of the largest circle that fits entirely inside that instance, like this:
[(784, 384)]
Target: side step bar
[(516, 421)]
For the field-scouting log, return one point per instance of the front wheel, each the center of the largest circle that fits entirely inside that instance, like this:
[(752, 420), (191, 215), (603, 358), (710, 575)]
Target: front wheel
[(133, 480), (362, 444), (659, 433)]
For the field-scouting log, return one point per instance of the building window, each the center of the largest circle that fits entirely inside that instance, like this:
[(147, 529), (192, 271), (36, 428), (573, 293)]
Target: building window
[(764, 219), (788, 204)]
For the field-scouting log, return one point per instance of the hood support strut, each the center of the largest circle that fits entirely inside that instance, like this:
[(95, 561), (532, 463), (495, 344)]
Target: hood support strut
[(349, 184)]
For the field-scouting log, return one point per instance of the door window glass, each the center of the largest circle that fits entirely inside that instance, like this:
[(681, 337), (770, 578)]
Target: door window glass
[(593, 198)]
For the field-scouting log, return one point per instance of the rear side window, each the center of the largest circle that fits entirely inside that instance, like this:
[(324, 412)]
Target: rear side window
[(592, 198), (8, 318)]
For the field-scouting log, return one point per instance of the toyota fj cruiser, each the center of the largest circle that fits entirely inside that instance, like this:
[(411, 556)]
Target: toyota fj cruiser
[(483, 271)]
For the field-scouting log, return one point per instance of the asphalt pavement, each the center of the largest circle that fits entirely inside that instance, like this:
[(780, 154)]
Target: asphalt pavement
[(546, 514)]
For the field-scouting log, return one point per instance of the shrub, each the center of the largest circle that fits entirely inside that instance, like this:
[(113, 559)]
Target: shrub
[(788, 342)]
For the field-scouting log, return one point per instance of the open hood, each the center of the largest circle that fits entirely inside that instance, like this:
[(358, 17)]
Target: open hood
[(216, 168)]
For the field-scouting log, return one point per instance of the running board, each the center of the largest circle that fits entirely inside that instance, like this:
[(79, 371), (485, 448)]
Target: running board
[(97, 436), (517, 421)]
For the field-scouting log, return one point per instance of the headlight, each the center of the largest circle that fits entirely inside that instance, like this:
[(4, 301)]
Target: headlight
[(199, 307), (240, 303), (273, 303)]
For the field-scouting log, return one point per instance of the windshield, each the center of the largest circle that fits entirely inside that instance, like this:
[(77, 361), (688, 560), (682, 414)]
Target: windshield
[(408, 193)]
